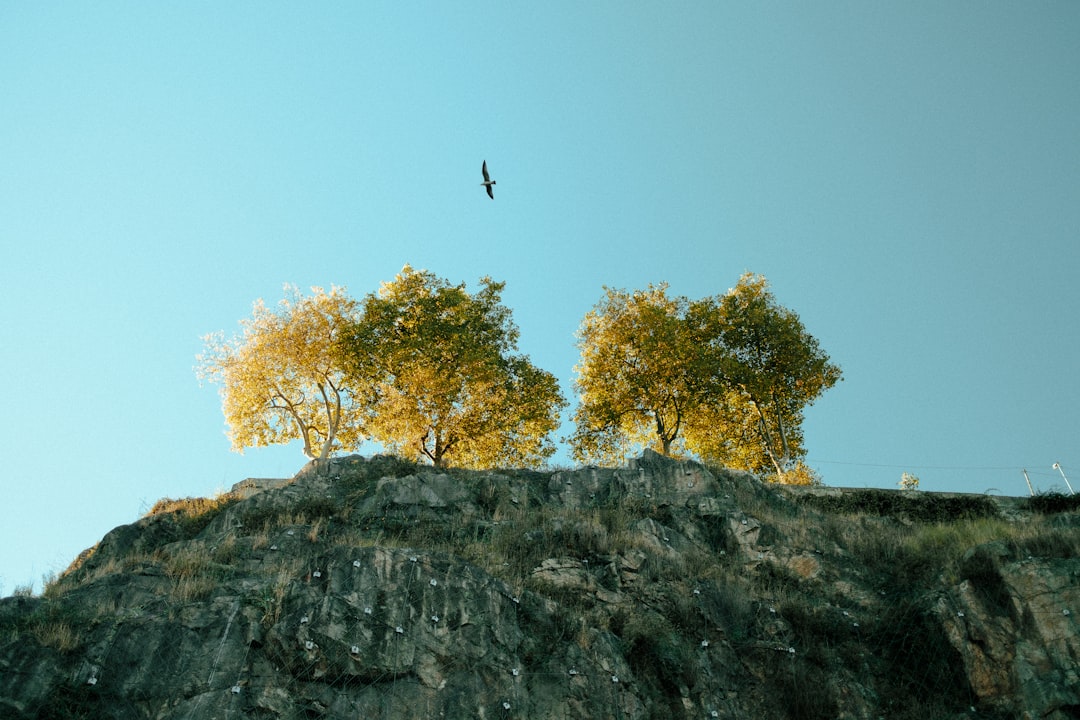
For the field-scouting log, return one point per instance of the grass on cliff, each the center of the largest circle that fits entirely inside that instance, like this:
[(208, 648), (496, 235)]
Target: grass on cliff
[(48, 623), (192, 514), (909, 551)]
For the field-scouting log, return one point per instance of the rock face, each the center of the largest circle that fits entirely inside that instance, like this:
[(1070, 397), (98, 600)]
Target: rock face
[(1012, 624), (380, 589)]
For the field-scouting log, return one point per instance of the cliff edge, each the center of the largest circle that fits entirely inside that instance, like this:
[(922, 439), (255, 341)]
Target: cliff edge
[(376, 588)]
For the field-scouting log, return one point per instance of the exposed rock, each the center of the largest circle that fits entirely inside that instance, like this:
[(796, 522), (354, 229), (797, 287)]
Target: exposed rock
[(1012, 624), (424, 490), (378, 588), (565, 573), (251, 486)]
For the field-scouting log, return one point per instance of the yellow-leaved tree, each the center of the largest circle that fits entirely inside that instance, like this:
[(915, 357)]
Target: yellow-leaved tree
[(761, 369), (636, 380), (449, 387), (280, 379), (726, 378)]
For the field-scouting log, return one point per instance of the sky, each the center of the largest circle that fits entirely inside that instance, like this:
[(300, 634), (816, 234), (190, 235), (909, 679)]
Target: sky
[(905, 175)]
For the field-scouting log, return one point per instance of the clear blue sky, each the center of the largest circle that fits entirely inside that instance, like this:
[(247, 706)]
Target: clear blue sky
[(906, 175)]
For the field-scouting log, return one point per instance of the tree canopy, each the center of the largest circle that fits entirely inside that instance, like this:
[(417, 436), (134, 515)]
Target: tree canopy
[(725, 377), (280, 380), (448, 386), (432, 372), (764, 368), (635, 379)]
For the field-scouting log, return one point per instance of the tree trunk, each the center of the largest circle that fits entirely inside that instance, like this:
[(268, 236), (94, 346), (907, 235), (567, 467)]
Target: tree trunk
[(333, 419), (666, 435), (662, 434), (766, 437)]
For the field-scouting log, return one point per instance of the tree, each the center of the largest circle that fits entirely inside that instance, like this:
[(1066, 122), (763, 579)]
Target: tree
[(636, 378), (448, 386), (762, 370), (725, 377), (280, 380)]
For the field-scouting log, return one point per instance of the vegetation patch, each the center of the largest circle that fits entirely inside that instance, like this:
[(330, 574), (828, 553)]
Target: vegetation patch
[(660, 656), (1048, 543), (358, 476), (49, 623), (72, 702), (306, 510), (1051, 503), (803, 687), (890, 503), (192, 514), (921, 664)]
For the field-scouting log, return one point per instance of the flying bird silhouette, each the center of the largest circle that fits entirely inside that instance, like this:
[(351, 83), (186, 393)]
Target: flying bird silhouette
[(488, 182)]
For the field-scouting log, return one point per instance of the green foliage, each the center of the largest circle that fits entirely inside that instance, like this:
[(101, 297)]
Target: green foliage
[(1051, 503), (660, 655), (540, 535), (447, 385), (887, 503), (1052, 542), (74, 702)]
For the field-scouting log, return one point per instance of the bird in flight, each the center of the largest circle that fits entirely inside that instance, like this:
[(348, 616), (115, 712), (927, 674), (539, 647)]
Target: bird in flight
[(488, 182)]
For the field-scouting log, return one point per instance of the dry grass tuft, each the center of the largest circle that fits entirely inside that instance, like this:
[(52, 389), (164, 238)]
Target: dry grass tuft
[(193, 514), (190, 507), (57, 634), (192, 588), (227, 551)]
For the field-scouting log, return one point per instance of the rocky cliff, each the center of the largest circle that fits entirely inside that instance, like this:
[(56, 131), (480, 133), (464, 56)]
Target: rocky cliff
[(380, 589)]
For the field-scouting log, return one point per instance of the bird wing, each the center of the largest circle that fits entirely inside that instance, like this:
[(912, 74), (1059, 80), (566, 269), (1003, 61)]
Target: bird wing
[(483, 169), (490, 193)]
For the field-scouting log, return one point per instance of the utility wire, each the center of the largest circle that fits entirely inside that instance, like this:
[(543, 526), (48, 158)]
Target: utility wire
[(1010, 468)]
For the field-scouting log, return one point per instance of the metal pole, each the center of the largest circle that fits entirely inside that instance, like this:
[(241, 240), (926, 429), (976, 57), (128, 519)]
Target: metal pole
[(1057, 466), (1028, 480)]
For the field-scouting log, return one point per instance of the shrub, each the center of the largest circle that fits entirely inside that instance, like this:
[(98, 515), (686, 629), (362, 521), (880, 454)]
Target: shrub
[(1051, 503), (889, 503)]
